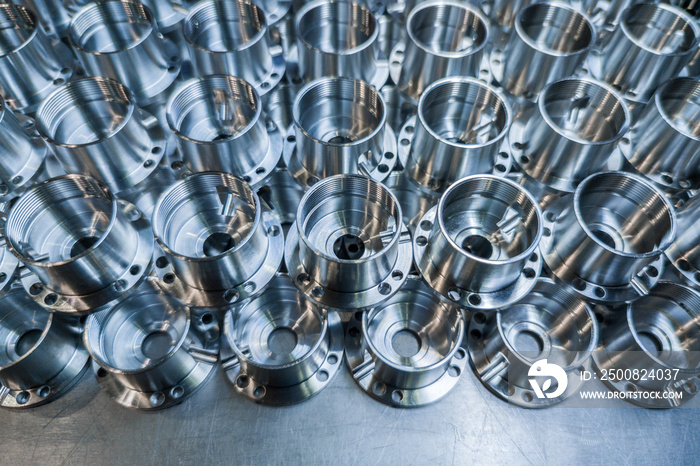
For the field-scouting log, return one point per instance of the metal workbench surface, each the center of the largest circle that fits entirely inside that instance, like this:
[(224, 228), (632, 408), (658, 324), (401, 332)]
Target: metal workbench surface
[(342, 425)]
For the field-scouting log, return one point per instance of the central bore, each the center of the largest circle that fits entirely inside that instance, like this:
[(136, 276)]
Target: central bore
[(605, 238), (27, 341), (340, 140), (651, 343), (282, 340), (349, 247), (83, 244), (527, 342), (217, 243), (156, 345), (478, 246), (406, 343)]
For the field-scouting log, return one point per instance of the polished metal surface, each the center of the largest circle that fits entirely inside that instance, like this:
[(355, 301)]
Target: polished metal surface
[(281, 348), (684, 252), (52, 14), (414, 201)]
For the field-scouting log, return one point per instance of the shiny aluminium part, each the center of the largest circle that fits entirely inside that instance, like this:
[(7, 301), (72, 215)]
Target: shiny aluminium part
[(651, 44), (666, 138), (219, 244), (31, 65), (280, 348), (488, 230), (220, 126), (445, 38), (571, 133), (282, 194), (279, 103), (41, 353), (550, 41), (658, 334), (150, 351), (120, 40), (684, 252), (460, 130), (503, 12), (415, 201), (407, 352), (606, 14), (231, 38), (9, 265), (340, 127), (53, 15), (607, 240), (166, 14), (95, 128), (551, 325), (348, 249), (82, 247), (339, 38)]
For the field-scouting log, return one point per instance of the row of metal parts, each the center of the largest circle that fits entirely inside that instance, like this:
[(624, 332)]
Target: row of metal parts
[(537, 203)]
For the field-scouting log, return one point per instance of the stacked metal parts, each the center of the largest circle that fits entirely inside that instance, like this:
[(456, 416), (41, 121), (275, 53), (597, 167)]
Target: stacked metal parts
[(410, 187)]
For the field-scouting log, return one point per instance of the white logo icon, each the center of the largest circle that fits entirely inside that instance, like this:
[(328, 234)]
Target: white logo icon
[(542, 368)]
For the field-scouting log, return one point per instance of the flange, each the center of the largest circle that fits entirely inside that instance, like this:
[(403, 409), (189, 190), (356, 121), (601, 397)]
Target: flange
[(651, 348), (607, 240), (348, 249), (684, 253), (150, 351), (488, 230), (218, 244), (82, 247), (551, 330), (280, 348), (42, 354), (407, 352)]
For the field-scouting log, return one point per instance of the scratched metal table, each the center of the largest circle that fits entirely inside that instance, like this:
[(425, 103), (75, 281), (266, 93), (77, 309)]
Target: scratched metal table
[(342, 425)]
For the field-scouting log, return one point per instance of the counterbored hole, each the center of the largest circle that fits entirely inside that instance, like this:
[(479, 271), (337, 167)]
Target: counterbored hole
[(349, 247), (217, 244), (528, 342), (651, 343), (406, 343), (156, 345), (282, 340), (478, 246), (27, 341), (83, 244), (605, 238)]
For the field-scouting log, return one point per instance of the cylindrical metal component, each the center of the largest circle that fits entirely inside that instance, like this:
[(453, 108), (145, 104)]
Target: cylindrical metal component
[(120, 40), (282, 194), (651, 44), (279, 104), (31, 67), (340, 127), (550, 333), (571, 133), (52, 13), (281, 348), (607, 241), (666, 138), (684, 252), (606, 15), (414, 342), (41, 354), (231, 38), (96, 129), (445, 38), (414, 201), (219, 244), (220, 126), (658, 334), (459, 130), (479, 246), (151, 351), (84, 247), (22, 153), (550, 42), (349, 248), (339, 38), (503, 12)]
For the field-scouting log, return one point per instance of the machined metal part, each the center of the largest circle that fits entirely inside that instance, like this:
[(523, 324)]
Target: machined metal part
[(445, 38), (282, 193), (550, 41), (571, 133), (684, 252), (220, 126), (31, 65), (666, 138), (415, 200), (232, 38), (218, 243), (9, 265), (399, 107), (120, 40), (279, 104), (349, 249), (339, 38), (82, 247), (23, 153), (42, 354), (606, 14), (407, 352), (281, 348), (651, 44), (502, 13), (551, 325), (488, 230), (53, 15), (607, 240), (340, 127), (151, 351), (96, 129), (656, 334), (460, 129)]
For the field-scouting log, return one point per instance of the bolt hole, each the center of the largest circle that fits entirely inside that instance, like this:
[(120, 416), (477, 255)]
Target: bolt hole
[(322, 376), (169, 278), (134, 270), (384, 289), (161, 262), (474, 300), (22, 397), (397, 275)]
